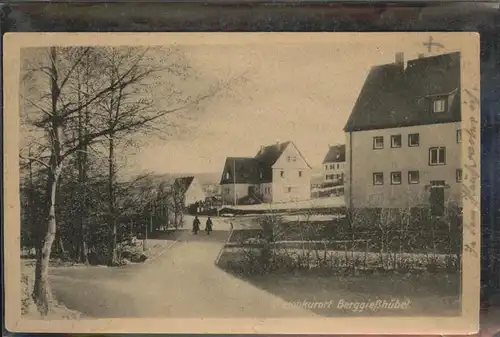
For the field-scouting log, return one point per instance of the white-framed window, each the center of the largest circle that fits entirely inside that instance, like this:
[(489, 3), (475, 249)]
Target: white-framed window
[(227, 175), (289, 189), (396, 141), (378, 178), (439, 105), (282, 174), (396, 178), (326, 167), (459, 136), (437, 156), (378, 142), (413, 177), (458, 175), (413, 139)]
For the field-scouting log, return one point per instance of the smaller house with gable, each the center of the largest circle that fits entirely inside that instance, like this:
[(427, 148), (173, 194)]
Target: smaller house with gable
[(190, 189), (333, 165), (277, 173)]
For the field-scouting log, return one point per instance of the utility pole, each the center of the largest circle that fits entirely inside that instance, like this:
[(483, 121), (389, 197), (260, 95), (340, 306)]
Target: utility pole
[(146, 232), (30, 195), (234, 182), (153, 213)]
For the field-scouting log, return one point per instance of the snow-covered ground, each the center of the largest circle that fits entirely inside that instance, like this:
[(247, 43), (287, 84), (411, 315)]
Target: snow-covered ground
[(326, 189), (372, 257), (311, 218), (303, 204)]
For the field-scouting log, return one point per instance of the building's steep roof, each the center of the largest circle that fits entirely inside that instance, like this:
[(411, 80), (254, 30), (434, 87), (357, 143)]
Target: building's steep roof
[(183, 183), (256, 170), (394, 96), (335, 154), (268, 155), (240, 170)]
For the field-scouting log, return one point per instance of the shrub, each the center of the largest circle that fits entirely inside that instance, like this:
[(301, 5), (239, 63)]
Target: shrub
[(389, 240), (132, 254)]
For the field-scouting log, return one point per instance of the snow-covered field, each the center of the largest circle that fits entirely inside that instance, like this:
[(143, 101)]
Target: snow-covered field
[(371, 257), (327, 189), (302, 204), (311, 218)]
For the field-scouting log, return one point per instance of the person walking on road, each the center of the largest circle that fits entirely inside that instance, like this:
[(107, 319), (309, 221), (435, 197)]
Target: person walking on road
[(196, 225), (209, 226)]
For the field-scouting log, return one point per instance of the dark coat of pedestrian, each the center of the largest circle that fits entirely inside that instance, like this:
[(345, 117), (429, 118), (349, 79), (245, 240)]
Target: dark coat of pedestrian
[(209, 225), (196, 225)]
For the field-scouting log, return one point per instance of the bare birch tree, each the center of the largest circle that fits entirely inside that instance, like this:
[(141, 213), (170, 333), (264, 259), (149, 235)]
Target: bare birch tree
[(53, 113)]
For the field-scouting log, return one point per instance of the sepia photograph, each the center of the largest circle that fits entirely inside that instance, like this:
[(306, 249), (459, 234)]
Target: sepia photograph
[(242, 182)]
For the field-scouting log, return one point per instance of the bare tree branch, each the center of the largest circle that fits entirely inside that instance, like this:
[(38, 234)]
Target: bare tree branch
[(37, 160)]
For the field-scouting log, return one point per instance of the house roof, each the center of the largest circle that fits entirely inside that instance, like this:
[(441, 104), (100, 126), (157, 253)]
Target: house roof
[(183, 183), (335, 154), (256, 170), (394, 96), (268, 155), (240, 170)]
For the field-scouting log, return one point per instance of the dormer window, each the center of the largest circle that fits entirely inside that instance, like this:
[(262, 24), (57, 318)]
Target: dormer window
[(439, 105), (227, 175)]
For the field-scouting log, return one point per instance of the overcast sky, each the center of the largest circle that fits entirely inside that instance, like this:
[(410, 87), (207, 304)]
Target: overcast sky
[(299, 88), (292, 92)]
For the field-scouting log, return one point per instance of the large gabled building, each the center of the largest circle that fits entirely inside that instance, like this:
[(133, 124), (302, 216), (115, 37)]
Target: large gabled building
[(277, 173), (403, 135)]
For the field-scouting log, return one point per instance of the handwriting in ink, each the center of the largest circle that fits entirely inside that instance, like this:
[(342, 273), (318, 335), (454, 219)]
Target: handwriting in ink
[(471, 248), (431, 43), (471, 172)]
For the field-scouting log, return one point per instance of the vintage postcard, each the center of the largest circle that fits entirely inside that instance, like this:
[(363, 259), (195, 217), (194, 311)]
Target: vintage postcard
[(242, 182)]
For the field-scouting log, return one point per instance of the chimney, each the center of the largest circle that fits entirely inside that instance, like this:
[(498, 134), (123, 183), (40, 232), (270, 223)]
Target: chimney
[(421, 56), (400, 59)]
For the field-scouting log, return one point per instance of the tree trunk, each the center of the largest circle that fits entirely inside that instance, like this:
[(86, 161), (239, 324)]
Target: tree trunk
[(113, 258), (41, 292), (85, 169)]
